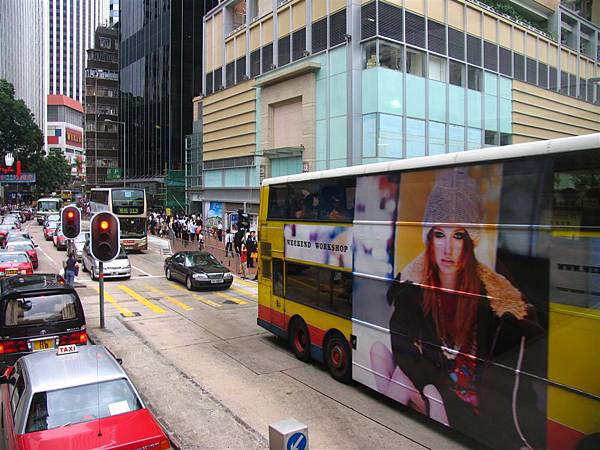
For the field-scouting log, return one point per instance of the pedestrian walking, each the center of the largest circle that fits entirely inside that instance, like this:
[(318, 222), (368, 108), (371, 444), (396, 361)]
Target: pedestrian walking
[(228, 243), (71, 269), (251, 248), (244, 261), (220, 232)]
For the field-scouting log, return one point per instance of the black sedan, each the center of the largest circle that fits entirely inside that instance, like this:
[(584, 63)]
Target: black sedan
[(197, 269)]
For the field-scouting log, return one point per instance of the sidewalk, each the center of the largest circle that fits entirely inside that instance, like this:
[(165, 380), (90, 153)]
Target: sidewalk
[(217, 248)]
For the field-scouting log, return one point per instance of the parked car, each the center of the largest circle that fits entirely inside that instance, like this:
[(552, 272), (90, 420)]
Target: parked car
[(49, 229), (24, 246), (14, 263), (197, 269), (67, 396), (117, 268), (59, 240), (38, 312), (76, 245)]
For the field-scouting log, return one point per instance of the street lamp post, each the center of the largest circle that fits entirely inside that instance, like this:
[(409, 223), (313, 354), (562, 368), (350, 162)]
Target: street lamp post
[(123, 149)]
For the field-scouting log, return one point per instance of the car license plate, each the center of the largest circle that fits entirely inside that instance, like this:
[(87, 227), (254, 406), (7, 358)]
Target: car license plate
[(216, 281), (43, 344), (12, 271)]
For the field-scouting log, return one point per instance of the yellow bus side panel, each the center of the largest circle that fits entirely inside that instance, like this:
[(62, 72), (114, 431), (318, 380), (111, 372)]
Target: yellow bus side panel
[(320, 320), (573, 360)]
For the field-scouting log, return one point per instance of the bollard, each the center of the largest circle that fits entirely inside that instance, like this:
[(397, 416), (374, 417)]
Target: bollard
[(288, 434)]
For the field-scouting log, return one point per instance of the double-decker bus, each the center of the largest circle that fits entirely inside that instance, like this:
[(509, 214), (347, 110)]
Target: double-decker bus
[(464, 286), (130, 206), (47, 206)]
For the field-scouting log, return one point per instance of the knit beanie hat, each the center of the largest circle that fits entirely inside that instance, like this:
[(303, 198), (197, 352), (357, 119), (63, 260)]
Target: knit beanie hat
[(454, 199)]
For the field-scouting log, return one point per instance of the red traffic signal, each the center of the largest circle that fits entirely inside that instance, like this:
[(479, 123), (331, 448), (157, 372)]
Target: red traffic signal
[(105, 234), (70, 222)]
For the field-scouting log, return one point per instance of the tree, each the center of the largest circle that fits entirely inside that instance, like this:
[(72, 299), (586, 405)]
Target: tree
[(53, 171), (19, 133)]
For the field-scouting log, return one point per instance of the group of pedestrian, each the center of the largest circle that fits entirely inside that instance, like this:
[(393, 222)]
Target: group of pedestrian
[(245, 246)]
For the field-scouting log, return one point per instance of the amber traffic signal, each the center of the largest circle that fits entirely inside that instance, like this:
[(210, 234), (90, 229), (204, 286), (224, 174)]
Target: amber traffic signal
[(105, 234), (70, 221)]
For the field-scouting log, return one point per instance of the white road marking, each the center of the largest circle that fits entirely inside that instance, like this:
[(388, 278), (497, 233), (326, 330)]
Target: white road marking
[(143, 271)]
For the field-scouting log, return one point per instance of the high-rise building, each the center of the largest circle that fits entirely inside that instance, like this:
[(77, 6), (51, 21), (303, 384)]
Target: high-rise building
[(302, 85), (71, 26), (113, 14), (160, 73), (102, 133), (22, 52)]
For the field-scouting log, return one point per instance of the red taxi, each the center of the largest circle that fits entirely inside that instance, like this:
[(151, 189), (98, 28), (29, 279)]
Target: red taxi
[(59, 240), (27, 213), (14, 263), (5, 229), (24, 246), (49, 229), (75, 397)]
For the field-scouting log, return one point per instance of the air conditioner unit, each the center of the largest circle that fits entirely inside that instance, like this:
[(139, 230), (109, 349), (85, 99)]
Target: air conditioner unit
[(272, 67), (305, 53)]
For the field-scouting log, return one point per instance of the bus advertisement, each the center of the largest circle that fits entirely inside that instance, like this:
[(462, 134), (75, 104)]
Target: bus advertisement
[(130, 207), (463, 286)]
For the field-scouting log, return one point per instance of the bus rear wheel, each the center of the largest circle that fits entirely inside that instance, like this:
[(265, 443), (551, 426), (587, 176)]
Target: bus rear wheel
[(300, 340), (338, 357)]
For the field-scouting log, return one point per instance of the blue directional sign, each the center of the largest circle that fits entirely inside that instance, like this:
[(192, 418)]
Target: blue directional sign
[(297, 441)]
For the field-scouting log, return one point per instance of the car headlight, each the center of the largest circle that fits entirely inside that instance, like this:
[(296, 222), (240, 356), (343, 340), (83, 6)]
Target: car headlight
[(228, 275), (200, 276)]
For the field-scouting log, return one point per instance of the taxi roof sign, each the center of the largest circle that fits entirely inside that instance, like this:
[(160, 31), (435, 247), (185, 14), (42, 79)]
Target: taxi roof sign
[(67, 349)]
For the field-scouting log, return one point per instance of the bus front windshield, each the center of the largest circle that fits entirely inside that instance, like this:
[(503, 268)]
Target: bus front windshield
[(48, 205), (128, 201), (133, 228)]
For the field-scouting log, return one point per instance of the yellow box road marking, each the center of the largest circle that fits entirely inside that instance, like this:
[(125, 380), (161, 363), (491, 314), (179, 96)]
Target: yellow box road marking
[(171, 299), (244, 282), (144, 301), (197, 297), (231, 298), (124, 311), (241, 291)]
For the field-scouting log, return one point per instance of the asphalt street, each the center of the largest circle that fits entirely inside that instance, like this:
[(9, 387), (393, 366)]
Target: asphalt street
[(216, 380)]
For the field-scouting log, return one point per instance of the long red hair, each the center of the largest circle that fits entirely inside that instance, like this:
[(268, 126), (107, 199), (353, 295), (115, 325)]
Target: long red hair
[(459, 328)]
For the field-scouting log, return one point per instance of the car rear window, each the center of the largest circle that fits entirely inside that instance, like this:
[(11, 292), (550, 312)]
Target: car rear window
[(81, 404), (40, 309), (13, 258), (19, 247)]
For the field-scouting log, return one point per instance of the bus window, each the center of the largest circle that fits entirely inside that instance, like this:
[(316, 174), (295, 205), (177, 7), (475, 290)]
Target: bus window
[(278, 202), (278, 277)]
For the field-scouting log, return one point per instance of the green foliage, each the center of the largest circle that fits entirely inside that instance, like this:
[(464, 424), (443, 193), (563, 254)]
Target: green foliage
[(20, 135)]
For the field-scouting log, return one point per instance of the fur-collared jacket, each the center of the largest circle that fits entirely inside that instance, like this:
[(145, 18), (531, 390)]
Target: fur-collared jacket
[(510, 412)]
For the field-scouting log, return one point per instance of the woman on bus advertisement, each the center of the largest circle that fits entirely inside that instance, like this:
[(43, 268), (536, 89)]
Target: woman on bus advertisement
[(458, 328)]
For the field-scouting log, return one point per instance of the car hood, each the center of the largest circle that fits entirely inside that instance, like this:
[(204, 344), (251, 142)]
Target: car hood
[(133, 430), (212, 268)]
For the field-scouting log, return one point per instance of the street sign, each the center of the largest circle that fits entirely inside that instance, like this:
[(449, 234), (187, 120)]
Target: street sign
[(297, 441), (114, 173), (24, 177)]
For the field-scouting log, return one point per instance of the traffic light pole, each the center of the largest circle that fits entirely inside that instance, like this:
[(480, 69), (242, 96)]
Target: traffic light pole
[(101, 291)]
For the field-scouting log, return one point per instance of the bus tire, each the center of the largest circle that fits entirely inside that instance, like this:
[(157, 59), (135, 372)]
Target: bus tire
[(300, 339), (338, 357)]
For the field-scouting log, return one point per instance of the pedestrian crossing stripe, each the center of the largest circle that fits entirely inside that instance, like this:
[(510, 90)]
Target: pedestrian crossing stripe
[(197, 297), (124, 311), (241, 291), (144, 301), (245, 283), (171, 299), (232, 298)]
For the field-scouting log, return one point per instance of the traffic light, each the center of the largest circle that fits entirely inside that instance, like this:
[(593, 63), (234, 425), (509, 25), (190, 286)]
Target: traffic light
[(70, 221), (243, 220), (105, 234)]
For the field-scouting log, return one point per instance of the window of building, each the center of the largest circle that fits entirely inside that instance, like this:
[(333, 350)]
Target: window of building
[(369, 138), (105, 42), (519, 66), (389, 142), (368, 26), (298, 44), (390, 21), (437, 138), (337, 28), (531, 71), (319, 35), (473, 50), (505, 138), (564, 83), (456, 44), (240, 69), (572, 85), (490, 56), (437, 68), (267, 58), (255, 63), (436, 36), (456, 138), (370, 54), (415, 138), (415, 29), (491, 138), (457, 73), (542, 75), (218, 82), (475, 78), (390, 55), (553, 78), (415, 62), (230, 74), (582, 88), (283, 52)]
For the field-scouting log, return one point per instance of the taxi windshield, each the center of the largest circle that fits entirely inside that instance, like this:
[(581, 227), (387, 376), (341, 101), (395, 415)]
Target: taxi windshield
[(13, 258), (81, 404), (39, 309)]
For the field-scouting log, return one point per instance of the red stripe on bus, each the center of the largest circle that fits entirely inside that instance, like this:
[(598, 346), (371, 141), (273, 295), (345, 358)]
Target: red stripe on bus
[(281, 320), (561, 437)]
